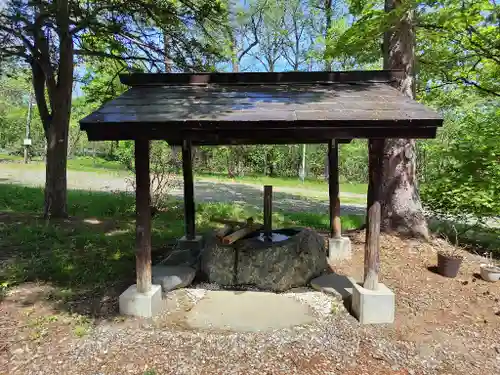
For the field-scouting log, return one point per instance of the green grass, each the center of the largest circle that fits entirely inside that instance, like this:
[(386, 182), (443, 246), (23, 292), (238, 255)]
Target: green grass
[(90, 164), (7, 157), (94, 248)]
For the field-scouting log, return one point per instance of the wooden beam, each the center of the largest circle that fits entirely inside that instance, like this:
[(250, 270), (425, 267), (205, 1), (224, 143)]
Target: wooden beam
[(257, 78), (272, 133), (372, 243), (224, 231), (143, 216), (268, 212), (187, 171), (333, 188)]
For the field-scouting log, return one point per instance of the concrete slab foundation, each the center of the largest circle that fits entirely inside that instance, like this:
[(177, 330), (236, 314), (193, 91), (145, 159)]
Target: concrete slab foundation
[(143, 305), (373, 306), (339, 249), (248, 312)]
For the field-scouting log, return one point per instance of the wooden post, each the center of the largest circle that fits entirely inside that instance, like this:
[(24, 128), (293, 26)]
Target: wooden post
[(268, 212), (333, 188), (372, 244), (187, 171), (143, 216)]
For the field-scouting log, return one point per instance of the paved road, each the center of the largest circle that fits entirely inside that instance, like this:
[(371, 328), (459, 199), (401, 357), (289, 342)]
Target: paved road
[(285, 198)]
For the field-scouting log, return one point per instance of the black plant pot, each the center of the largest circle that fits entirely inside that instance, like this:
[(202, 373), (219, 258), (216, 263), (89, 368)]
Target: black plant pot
[(448, 265)]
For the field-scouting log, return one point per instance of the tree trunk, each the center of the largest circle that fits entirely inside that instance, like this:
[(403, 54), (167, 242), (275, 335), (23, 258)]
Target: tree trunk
[(55, 167), (166, 50), (233, 27), (401, 206), (328, 25), (56, 125)]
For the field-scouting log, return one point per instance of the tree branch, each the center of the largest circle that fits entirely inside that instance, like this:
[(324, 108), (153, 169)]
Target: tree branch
[(39, 90), (81, 52), (255, 36), (476, 85)]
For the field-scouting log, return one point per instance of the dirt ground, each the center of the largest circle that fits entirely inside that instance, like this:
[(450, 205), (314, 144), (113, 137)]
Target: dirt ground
[(443, 326), (455, 320)]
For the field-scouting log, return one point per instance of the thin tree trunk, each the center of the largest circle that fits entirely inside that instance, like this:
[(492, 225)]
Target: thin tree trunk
[(233, 24), (328, 25), (401, 206), (166, 50)]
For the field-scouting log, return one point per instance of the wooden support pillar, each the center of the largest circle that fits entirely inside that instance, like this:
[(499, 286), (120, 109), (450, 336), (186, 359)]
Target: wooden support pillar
[(333, 188), (372, 243), (268, 212), (187, 171), (143, 216)]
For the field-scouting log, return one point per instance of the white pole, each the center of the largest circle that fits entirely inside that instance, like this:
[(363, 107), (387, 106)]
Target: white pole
[(302, 173), (28, 124)]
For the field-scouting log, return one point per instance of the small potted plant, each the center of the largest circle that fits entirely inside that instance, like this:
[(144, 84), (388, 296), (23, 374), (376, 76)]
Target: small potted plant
[(490, 271), (449, 260)]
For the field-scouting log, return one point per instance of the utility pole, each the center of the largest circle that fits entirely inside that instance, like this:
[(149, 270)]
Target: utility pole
[(302, 173), (27, 140)]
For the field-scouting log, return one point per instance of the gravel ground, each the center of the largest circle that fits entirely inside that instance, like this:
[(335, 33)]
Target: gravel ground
[(443, 326)]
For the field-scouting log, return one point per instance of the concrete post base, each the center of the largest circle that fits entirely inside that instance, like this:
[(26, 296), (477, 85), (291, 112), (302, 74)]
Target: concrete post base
[(373, 306), (339, 249), (143, 305)]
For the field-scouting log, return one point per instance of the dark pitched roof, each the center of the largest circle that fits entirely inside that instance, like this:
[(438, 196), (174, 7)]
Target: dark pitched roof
[(236, 108)]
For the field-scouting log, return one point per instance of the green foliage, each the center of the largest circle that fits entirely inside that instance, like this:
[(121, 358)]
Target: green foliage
[(281, 161), (101, 81), (463, 171), (14, 98), (362, 40), (95, 164), (458, 42)]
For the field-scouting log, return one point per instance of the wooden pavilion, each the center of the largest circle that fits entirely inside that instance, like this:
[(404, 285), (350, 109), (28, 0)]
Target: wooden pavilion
[(258, 108)]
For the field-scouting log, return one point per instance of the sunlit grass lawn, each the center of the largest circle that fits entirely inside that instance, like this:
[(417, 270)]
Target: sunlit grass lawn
[(94, 248)]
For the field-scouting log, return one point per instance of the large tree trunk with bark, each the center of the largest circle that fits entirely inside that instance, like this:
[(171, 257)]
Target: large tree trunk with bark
[(55, 167), (401, 206), (55, 118)]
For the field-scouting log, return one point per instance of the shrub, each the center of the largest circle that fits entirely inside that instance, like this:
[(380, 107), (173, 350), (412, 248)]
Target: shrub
[(463, 178)]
